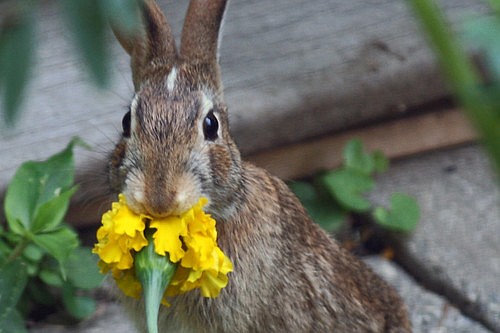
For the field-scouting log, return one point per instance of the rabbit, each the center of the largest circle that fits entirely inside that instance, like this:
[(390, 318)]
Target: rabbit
[(289, 275)]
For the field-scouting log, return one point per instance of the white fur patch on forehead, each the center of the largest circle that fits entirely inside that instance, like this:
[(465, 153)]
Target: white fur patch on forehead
[(171, 79)]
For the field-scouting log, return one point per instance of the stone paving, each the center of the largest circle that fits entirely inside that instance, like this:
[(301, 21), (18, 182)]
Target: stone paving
[(448, 271), (455, 250), (428, 312)]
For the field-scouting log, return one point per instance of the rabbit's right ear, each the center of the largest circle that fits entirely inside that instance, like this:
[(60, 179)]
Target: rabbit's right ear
[(152, 46)]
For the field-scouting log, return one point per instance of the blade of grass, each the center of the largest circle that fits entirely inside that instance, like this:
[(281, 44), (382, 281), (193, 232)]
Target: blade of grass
[(461, 76)]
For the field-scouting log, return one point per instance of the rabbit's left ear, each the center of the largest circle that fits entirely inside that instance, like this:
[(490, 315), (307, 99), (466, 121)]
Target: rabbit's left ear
[(200, 34), (153, 46)]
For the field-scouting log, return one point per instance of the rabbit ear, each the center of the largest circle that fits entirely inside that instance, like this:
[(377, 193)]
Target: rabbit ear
[(200, 34), (154, 45)]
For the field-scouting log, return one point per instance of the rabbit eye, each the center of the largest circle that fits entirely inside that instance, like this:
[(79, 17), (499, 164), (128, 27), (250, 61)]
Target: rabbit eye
[(210, 126), (126, 125)]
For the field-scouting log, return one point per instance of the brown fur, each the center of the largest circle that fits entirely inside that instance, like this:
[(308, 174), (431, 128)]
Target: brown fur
[(289, 275)]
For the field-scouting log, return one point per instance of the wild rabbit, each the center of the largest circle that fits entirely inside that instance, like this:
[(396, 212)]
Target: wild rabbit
[(289, 275)]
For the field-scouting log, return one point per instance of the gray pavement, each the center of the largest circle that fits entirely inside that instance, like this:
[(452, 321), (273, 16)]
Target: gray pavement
[(455, 250), (429, 312)]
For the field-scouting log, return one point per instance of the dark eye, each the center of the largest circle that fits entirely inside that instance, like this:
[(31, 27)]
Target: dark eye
[(210, 126), (126, 125)]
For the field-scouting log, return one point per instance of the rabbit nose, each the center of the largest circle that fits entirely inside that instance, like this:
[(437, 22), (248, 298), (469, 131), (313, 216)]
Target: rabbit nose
[(159, 204)]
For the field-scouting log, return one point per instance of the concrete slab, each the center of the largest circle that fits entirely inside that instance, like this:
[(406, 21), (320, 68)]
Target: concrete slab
[(456, 247), (428, 312)]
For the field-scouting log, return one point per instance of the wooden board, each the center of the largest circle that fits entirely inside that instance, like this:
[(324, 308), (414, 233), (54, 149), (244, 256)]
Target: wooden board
[(396, 139)]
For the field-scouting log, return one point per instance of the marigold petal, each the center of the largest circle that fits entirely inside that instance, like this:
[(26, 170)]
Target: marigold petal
[(126, 222), (110, 252), (128, 282), (167, 237), (199, 252), (211, 284)]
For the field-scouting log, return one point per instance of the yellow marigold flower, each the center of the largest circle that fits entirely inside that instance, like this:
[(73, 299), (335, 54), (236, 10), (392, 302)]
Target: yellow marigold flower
[(189, 239), (127, 282), (121, 231)]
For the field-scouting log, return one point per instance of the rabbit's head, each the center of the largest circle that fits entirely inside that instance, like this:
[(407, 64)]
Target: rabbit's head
[(176, 145)]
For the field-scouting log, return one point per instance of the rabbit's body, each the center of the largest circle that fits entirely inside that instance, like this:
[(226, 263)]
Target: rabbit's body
[(289, 275)]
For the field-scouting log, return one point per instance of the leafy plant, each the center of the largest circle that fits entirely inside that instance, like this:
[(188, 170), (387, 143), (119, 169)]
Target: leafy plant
[(40, 256), (475, 81), (332, 195), (87, 21)]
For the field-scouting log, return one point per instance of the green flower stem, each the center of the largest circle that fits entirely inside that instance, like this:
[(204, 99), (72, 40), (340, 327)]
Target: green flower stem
[(18, 250), (452, 58), (155, 273)]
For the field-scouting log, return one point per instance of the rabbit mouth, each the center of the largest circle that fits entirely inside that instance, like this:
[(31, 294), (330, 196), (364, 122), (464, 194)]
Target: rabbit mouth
[(160, 202)]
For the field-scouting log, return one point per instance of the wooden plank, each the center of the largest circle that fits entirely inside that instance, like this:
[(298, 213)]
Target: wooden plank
[(396, 139), (293, 69)]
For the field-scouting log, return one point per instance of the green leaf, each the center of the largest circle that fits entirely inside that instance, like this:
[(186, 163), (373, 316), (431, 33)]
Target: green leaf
[(79, 307), (356, 158), (482, 34), (17, 44), (32, 253), (87, 22), (320, 206), (59, 243), (21, 198), (381, 162), (37, 292), (13, 322), (82, 270), (13, 279), (303, 190), (50, 214), (403, 215), (51, 277), (348, 186), (123, 14), (36, 183), (5, 249)]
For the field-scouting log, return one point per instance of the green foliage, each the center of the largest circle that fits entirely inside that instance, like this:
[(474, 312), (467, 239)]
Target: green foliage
[(332, 195), (356, 158), (13, 279), (86, 20), (40, 256), (17, 41), (347, 187), (476, 85), (319, 204), (403, 215)]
